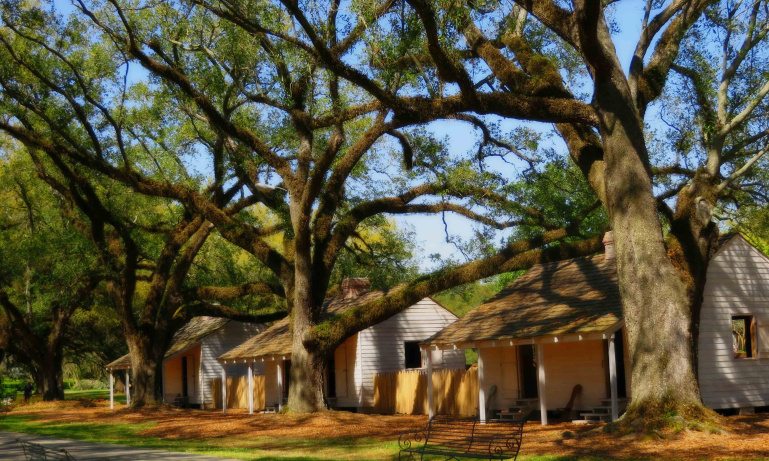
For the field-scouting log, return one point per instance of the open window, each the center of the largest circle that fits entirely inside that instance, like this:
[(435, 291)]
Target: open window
[(743, 336), (413, 354)]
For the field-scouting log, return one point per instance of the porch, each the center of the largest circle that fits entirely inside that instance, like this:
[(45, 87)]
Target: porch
[(586, 372)]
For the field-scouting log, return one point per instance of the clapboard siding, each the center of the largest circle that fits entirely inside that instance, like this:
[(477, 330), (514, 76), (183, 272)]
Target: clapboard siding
[(381, 347), (232, 334), (737, 284)]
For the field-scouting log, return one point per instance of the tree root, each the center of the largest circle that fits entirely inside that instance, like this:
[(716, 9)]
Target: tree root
[(661, 418)]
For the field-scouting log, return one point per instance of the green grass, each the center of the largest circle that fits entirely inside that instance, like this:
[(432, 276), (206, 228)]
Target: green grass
[(90, 394), (256, 449)]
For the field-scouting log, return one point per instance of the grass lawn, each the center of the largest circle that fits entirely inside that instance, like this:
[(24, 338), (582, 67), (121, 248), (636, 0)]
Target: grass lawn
[(347, 436)]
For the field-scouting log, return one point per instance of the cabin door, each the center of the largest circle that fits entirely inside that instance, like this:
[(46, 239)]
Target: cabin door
[(528, 372), (188, 377)]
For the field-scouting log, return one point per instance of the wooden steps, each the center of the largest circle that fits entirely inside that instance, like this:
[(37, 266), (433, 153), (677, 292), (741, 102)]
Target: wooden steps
[(601, 413), (521, 410)]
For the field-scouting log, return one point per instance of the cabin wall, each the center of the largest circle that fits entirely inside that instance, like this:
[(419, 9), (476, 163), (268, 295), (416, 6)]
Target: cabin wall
[(232, 334), (172, 376), (381, 349), (571, 363), (737, 284), (500, 369)]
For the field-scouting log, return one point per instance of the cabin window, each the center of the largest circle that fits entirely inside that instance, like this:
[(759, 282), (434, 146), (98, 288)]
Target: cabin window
[(743, 336), (413, 354)]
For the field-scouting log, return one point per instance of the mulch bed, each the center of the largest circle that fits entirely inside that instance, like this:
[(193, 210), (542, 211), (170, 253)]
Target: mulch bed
[(748, 436)]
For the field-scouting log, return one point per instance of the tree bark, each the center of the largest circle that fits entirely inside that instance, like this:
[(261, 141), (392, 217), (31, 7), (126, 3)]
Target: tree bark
[(53, 377), (693, 237), (146, 372), (654, 297)]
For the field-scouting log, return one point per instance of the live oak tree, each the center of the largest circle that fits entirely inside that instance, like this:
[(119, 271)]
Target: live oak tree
[(46, 275), (281, 122), (556, 62)]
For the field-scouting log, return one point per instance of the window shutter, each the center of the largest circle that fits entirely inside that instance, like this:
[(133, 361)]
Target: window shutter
[(762, 328), (340, 370)]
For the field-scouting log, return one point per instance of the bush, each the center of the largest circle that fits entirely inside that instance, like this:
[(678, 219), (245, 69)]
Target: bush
[(10, 387), (88, 384)]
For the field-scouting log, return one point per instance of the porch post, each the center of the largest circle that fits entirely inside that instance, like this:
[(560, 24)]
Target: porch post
[(279, 367), (250, 388), (541, 383), (613, 379), (163, 380), (224, 387), (111, 391), (430, 411), (128, 387), (481, 389)]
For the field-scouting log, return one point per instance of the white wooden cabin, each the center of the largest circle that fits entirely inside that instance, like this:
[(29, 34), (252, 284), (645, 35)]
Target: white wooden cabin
[(733, 367), (191, 361), (388, 346), (560, 326)]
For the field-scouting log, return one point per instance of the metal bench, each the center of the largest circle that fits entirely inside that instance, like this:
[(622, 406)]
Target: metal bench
[(463, 438), (37, 452)]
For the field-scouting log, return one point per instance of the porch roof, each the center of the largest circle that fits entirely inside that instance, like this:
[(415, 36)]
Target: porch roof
[(186, 337), (579, 295), (277, 340)]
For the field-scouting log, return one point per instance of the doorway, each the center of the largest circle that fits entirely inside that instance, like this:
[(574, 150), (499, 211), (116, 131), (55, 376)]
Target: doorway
[(528, 368), (185, 387)]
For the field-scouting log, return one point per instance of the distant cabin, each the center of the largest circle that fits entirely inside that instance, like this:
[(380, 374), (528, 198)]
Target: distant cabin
[(554, 340), (389, 346), (191, 361)]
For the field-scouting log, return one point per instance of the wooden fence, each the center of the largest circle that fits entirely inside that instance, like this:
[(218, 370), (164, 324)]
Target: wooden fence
[(237, 392), (455, 392)]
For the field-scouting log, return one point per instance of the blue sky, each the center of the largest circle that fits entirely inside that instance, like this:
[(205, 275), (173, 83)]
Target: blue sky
[(428, 230)]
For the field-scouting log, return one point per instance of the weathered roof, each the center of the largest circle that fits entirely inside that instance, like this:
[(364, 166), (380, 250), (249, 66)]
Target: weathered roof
[(277, 340), (185, 338), (578, 295)]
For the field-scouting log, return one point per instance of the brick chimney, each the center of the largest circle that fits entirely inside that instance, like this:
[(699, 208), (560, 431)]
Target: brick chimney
[(608, 245), (354, 287)]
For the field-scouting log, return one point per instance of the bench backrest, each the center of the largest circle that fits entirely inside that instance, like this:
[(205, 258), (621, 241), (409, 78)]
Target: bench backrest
[(36, 452), (493, 438)]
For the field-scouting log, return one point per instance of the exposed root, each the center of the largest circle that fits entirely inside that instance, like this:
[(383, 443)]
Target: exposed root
[(661, 418)]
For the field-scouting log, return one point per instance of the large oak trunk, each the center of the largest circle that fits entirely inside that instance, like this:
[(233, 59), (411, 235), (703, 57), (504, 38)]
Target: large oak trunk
[(146, 374), (305, 392), (655, 304), (53, 377)]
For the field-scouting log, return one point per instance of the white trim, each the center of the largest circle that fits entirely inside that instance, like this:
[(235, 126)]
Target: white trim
[(250, 388), (111, 391), (430, 411), (481, 390), (224, 389), (279, 368), (613, 379), (541, 387), (128, 387)]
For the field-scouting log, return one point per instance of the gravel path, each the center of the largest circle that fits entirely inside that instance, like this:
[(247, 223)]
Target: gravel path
[(10, 450)]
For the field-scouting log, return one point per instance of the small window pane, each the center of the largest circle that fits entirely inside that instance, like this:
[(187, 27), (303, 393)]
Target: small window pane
[(413, 354), (742, 336)]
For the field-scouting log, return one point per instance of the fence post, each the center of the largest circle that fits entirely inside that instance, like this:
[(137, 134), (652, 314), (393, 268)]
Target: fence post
[(250, 388), (430, 410), (481, 389)]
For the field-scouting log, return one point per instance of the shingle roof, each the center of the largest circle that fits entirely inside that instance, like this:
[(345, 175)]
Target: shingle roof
[(187, 336), (578, 295), (277, 340)]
